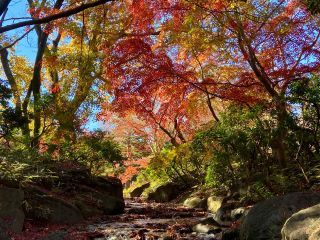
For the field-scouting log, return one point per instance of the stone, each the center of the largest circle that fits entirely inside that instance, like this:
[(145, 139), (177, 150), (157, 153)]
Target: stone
[(214, 203), (58, 235), (230, 234), (224, 213), (11, 213), (88, 210), (195, 202), (266, 219), (208, 226), (238, 213), (303, 225), (110, 204), (3, 235), (139, 190), (166, 192), (84, 196), (42, 206), (91, 202)]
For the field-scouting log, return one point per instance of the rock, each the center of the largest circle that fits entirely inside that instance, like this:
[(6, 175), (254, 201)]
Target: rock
[(230, 234), (139, 190), (238, 213), (207, 225), (84, 196), (265, 219), (42, 206), (224, 213), (195, 202), (88, 210), (59, 235), (3, 235), (92, 202), (214, 203), (110, 204), (166, 192), (11, 213), (303, 225), (108, 185), (167, 238)]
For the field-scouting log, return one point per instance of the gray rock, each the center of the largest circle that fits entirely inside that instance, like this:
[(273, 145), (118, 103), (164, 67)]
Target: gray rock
[(265, 220), (214, 203), (207, 225), (139, 190), (238, 213), (303, 225), (230, 234), (224, 214), (11, 213), (92, 202), (195, 202), (59, 235), (50, 208), (166, 192), (3, 235)]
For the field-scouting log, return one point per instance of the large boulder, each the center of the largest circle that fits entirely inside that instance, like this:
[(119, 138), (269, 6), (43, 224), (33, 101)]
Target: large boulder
[(139, 190), (303, 225), (11, 213), (72, 196), (265, 220), (166, 192), (41, 205)]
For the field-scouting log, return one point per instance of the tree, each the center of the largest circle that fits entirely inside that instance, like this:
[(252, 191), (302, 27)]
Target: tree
[(266, 44), (45, 13)]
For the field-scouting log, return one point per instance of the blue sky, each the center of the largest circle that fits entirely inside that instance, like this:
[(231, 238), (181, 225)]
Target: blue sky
[(28, 47)]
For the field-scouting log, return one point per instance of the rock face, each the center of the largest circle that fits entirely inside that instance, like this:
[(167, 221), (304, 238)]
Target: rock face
[(75, 195), (11, 214), (166, 192), (59, 235), (265, 220), (41, 205), (139, 190), (303, 225)]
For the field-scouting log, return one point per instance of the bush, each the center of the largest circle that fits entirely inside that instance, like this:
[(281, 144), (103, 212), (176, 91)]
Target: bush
[(96, 151)]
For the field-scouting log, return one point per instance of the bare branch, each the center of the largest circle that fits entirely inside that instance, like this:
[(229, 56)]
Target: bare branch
[(62, 14), (17, 40)]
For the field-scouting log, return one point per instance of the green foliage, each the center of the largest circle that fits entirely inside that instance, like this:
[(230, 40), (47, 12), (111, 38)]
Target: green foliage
[(9, 118), (95, 151), (313, 6), (19, 165), (181, 163)]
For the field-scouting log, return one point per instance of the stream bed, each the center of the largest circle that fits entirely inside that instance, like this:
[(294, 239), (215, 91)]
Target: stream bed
[(147, 221)]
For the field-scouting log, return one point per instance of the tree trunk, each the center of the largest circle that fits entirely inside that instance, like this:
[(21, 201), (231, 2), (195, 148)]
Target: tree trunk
[(36, 85)]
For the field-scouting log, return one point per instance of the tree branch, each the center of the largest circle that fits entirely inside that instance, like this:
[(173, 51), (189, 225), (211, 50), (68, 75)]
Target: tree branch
[(53, 17)]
